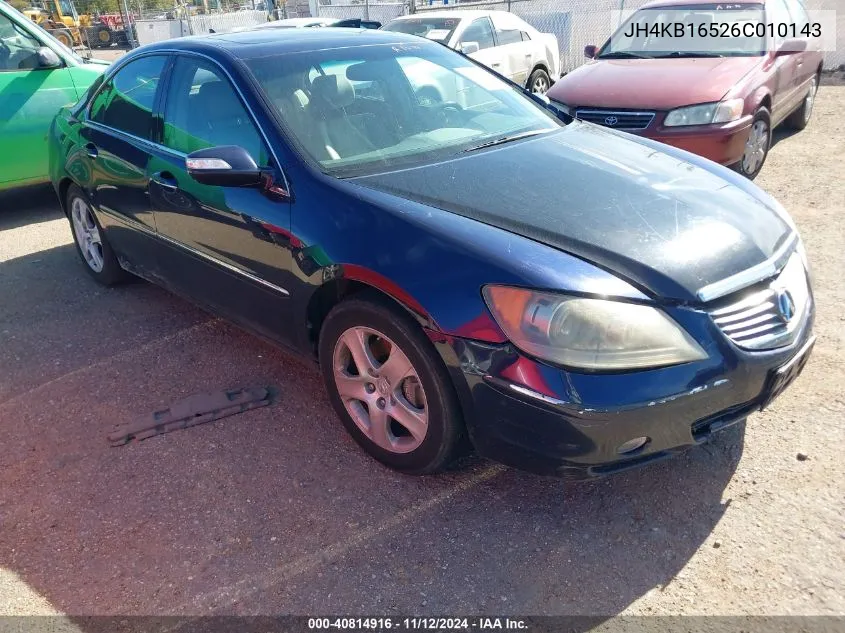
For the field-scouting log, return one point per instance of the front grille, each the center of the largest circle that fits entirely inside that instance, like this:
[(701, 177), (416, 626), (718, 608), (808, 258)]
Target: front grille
[(616, 119), (767, 318)]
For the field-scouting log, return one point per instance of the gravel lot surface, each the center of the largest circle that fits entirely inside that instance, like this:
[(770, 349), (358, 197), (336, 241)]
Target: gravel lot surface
[(277, 511)]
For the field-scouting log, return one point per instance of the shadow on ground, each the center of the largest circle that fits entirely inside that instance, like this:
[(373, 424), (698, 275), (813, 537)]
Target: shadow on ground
[(276, 511), (28, 205)]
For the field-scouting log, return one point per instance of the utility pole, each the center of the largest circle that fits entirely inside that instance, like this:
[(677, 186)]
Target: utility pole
[(127, 25)]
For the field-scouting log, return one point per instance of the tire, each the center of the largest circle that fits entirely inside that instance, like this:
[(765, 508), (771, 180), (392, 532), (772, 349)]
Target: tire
[(91, 244), (64, 36), (799, 119), (424, 387), (102, 37), (539, 82), (757, 146)]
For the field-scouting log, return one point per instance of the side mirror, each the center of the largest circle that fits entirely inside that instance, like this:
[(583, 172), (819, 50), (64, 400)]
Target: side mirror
[(590, 51), (223, 166), (791, 46), (47, 58), (468, 48)]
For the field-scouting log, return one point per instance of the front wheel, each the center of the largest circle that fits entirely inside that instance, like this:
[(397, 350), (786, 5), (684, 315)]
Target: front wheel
[(389, 386), (539, 82), (64, 36), (757, 145)]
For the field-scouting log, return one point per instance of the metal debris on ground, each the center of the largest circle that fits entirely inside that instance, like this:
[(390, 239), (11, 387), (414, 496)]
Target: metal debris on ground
[(193, 410)]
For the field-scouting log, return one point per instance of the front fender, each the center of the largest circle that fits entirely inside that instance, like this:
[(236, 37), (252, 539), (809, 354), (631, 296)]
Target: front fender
[(434, 262)]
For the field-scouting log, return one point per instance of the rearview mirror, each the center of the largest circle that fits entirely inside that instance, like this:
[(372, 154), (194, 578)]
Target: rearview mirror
[(223, 166), (468, 48), (47, 58), (590, 51), (791, 46)]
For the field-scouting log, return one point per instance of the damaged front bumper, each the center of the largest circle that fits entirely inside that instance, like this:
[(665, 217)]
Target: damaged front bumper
[(547, 420)]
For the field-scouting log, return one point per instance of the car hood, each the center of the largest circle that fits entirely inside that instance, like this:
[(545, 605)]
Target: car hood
[(654, 84), (665, 224)]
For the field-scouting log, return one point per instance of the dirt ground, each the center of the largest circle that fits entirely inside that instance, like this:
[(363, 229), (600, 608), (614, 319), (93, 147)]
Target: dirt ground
[(277, 511)]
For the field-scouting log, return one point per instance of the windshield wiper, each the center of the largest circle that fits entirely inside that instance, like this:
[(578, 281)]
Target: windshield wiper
[(678, 54), (505, 139), (623, 55)]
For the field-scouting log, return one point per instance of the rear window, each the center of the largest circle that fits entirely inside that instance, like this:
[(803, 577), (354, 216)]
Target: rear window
[(432, 28)]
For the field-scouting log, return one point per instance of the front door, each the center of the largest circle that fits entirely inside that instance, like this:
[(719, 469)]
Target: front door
[(29, 99), (480, 32), (226, 246)]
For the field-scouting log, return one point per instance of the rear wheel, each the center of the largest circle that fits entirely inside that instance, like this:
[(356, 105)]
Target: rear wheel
[(757, 145), (91, 243), (102, 36), (799, 119), (389, 386), (539, 82)]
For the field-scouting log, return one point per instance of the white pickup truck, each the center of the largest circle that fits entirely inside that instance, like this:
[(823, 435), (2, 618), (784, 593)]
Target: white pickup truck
[(500, 40)]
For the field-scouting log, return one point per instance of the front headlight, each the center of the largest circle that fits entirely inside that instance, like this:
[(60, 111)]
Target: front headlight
[(706, 113), (595, 334)]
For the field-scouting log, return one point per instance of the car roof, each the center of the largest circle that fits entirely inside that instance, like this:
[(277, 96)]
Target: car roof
[(679, 3), (468, 14), (317, 20), (264, 42)]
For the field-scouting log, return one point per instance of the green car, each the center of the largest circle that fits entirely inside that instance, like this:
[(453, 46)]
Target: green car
[(38, 75)]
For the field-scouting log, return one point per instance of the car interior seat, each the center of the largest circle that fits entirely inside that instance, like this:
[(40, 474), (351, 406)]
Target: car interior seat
[(341, 132)]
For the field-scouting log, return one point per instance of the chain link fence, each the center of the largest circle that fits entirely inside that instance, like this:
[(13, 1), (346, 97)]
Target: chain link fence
[(382, 12)]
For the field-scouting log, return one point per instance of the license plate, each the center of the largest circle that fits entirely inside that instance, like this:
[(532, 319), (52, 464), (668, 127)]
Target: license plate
[(780, 378)]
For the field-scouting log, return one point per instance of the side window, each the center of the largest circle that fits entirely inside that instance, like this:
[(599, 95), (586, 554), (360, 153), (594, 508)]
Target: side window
[(18, 49), (479, 31), (798, 13), (777, 13), (203, 110), (126, 101), (508, 36)]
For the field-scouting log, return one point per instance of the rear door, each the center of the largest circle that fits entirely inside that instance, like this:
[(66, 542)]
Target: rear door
[(228, 247), (111, 165), (29, 99), (517, 53)]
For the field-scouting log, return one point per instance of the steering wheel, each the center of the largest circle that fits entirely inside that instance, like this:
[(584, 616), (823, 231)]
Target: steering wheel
[(450, 111)]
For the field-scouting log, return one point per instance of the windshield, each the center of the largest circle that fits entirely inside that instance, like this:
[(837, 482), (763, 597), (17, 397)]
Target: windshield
[(437, 29), (695, 30), (362, 110)]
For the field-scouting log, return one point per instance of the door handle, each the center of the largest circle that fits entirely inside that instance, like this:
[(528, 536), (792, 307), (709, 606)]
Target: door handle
[(165, 180), (495, 64), (91, 150)]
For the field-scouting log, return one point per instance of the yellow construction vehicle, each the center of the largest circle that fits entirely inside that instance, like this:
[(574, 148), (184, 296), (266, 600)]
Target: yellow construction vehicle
[(62, 20)]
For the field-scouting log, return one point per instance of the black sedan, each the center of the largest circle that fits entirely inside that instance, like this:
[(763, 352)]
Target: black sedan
[(468, 266)]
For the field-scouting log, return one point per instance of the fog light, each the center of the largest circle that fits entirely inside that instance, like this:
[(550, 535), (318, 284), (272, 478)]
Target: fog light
[(632, 445)]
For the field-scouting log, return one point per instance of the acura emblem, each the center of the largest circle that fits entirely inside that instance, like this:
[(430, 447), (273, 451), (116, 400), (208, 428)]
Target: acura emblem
[(785, 304), (611, 120)]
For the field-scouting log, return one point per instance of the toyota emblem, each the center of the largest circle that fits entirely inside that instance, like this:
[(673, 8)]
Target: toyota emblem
[(611, 120), (785, 305)]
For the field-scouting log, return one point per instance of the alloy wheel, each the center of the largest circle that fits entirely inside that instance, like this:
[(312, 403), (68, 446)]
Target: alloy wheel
[(756, 147), (540, 85), (87, 234), (380, 389)]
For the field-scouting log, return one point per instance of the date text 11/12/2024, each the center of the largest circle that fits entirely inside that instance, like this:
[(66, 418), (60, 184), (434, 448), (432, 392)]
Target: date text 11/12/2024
[(375, 625)]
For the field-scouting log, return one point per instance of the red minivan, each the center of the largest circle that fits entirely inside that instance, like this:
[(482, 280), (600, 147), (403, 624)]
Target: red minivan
[(719, 97)]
